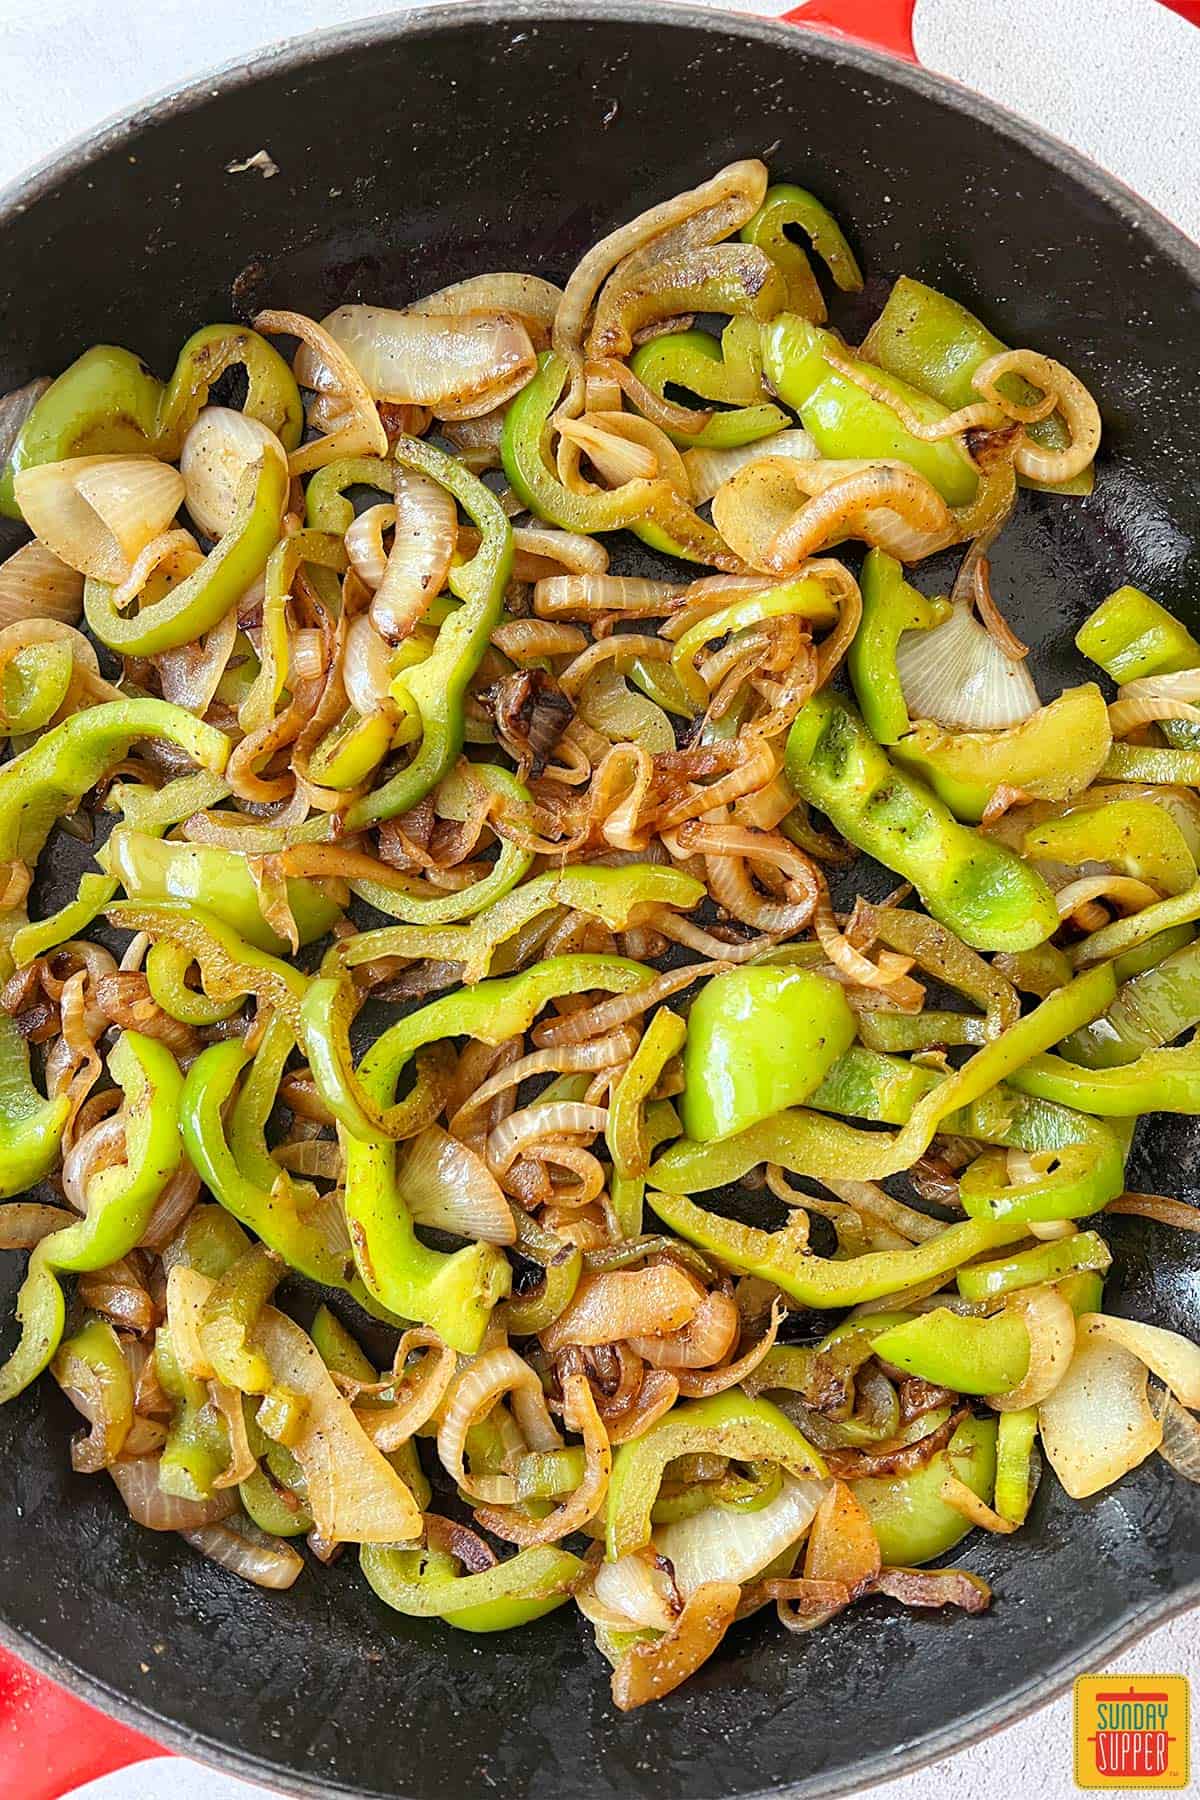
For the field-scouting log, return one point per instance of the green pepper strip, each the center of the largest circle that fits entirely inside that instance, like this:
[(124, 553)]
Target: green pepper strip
[(438, 685), (523, 449), (787, 208), (35, 682), (120, 1201), (417, 907), (891, 606), (846, 421), (1123, 935), (147, 809), (943, 955), (527, 1314), (108, 403), (265, 1200), (978, 888), (252, 1111), (926, 338), (611, 895), (628, 1132), (92, 1363), (230, 1314), (184, 613), (319, 548), (52, 776), (1014, 1463), (1156, 1004), (326, 1016), (1148, 763), (425, 1585), (968, 1355), (197, 1449), (151, 869), (1137, 836), (211, 1241), (1131, 637), (728, 1424), (628, 1192), (230, 967), (1156, 1081), (166, 968), (455, 1294), (928, 1030), (1030, 1268), (694, 361), (911, 1520)]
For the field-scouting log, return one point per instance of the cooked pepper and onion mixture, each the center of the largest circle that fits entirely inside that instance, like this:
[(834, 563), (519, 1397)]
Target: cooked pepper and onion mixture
[(461, 938)]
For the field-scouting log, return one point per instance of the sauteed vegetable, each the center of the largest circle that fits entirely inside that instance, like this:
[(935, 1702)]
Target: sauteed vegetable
[(462, 940)]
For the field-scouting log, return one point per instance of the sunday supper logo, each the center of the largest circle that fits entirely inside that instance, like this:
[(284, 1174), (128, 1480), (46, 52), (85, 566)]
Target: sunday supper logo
[(1132, 1736)]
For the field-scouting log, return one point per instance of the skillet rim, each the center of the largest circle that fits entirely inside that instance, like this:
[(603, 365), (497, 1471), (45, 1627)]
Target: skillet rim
[(38, 184)]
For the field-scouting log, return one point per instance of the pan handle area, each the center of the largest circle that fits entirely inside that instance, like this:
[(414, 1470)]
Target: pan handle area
[(883, 24), (50, 1742)]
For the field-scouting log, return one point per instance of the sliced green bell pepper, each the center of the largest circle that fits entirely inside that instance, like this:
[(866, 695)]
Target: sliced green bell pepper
[(1029, 1268), (1053, 754), (847, 422), (787, 209), (911, 1520), (52, 776), (1156, 1081), (759, 1039), (977, 887), (171, 616), (1154, 1006), (891, 606), (120, 1200), (1136, 836), (153, 869), (926, 338), (696, 362), (426, 1584), (1131, 637), (989, 1355), (729, 1424)]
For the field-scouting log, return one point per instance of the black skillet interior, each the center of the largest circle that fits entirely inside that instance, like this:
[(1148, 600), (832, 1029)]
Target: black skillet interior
[(410, 153)]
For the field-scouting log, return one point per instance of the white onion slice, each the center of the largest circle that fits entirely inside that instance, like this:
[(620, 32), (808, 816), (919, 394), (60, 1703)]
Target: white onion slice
[(266, 1561), (634, 1590), (364, 543), (710, 469), (718, 1544), (1167, 1354), (446, 1184), (460, 366), (958, 676), (426, 531), (1097, 1424), (1050, 1322), (528, 297), (37, 584), (1181, 1438), (366, 667), (137, 1481), (217, 451), (98, 512)]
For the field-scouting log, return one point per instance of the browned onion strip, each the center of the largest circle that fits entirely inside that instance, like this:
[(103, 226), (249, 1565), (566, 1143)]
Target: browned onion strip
[(903, 992), (1126, 715), (625, 1304), (602, 1053), (669, 415), (888, 505), (530, 640), (242, 1461), (965, 1500), (490, 1377), (935, 1587), (724, 203), (535, 1124), (990, 615), (648, 1671), (417, 1396), (24, 1223), (587, 596), (1070, 398), (656, 1396), (1159, 1208), (426, 531), (700, 1383), (707, 1338), (1125, 891), (606, 1015), (981, 415), (573, 1513)]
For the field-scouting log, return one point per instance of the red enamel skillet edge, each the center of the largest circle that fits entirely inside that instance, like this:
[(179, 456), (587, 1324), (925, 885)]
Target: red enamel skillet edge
[(51, 1740)]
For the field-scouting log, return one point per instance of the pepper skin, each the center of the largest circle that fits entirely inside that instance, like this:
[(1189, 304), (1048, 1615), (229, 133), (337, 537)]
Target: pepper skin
[(968, 1355), (120, 1200), (976, 887), (1053, 754), (891, 605), (759, 1039), (847, 422), (698, 362), (426, 1584), (911, 1520), (729, 1424)]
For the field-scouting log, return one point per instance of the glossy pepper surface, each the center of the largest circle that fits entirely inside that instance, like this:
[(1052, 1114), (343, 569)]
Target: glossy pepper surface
[(911, 1520), (120, 1200), (847, 422), (978, 888), (969, 1355), (891, 606), (759, 1039), (729, 1424)]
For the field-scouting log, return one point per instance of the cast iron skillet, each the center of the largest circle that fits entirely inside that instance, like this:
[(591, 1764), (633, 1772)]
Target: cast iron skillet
[(412, 152)]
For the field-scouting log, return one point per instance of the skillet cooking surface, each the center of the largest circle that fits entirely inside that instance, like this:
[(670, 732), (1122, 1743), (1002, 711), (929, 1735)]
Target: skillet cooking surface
[(412, 153)]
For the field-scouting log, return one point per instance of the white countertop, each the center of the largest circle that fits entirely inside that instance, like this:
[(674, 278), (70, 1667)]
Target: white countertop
[(68, 64)]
